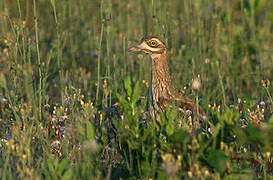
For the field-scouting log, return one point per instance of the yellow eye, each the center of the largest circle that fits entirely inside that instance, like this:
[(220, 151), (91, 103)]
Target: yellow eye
[(153, 43)]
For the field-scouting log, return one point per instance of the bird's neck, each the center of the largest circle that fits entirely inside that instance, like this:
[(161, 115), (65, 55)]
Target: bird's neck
[(160, 77)]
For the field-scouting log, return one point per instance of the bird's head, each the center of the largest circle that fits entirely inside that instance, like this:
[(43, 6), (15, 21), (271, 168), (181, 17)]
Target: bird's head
[(152, 45)]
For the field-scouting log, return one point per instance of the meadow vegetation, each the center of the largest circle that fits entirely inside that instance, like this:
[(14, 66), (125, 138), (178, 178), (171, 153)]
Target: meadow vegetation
[(73, 101)]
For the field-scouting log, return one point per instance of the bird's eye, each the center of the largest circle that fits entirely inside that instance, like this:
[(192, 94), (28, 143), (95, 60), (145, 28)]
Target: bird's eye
[(153, 43)]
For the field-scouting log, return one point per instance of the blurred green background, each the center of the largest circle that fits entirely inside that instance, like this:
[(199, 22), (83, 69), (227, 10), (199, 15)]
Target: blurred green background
[(65, 79)]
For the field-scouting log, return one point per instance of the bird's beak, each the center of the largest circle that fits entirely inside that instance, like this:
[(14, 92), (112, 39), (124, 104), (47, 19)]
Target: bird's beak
[(135, 49)]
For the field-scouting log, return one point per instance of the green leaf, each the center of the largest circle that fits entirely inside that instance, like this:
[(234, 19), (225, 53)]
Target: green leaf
[(133, 144), (240, 135), (50, 166), (67, 175), (162, 175), (147, 132), (180, 136), (255, 135), (90, 130), (218, 160), (123, 102), (230, 116), (170, 128), (128, 86), (81, 130), (62, 165), (136, 93), (172, 113), (3, 82)]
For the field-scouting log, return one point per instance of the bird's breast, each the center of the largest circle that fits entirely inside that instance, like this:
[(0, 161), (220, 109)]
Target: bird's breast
[(160, 90)]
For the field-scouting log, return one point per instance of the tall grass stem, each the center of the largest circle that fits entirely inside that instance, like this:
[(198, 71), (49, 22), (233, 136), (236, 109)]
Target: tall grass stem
[(38, 60), (99, 63)]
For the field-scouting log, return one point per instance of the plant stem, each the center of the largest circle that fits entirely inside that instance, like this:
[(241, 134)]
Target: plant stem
[(221, 83), (38, 60), (99, 57), (59, 61)]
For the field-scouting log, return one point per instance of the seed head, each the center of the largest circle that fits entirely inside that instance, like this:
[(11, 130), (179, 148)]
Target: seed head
[(196, 83)]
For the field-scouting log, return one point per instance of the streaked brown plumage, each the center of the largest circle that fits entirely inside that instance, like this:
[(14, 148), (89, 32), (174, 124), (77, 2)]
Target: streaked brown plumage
[(162, 93)]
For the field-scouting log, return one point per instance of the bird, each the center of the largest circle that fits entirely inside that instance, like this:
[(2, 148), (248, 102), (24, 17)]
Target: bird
[(162, 93)]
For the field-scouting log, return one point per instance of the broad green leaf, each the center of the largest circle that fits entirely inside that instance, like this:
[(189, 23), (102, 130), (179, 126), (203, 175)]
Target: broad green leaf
[(180, 137), (128, 86), (162, 175), (67, 175), (146, 134), (50, 166), (172, 113), (62, 165), (240, 135), (123, 102), (81, 130), (255, 135), (133, 144), (136, 92), (90, 130), (218, 160), (229, 116), (170, 128)]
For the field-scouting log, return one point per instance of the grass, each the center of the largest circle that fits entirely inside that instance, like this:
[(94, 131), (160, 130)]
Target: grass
[(72, 100)]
